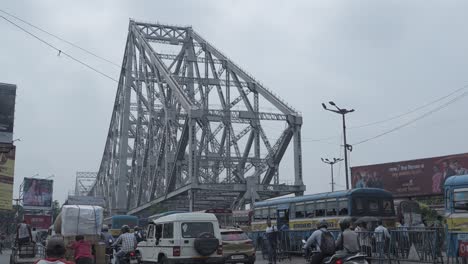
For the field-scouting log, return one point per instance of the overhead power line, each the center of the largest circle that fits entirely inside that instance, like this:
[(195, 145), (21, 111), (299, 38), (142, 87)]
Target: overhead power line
[(62, 39), (59, 50), (412, 110), (414, 119)]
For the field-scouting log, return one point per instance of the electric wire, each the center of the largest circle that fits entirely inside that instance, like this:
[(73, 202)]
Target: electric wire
[(412, 110), (62, 39), (414, 119), (59, 50)]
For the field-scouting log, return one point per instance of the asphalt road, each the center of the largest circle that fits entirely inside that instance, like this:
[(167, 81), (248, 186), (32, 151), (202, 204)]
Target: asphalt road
[(5, 257)]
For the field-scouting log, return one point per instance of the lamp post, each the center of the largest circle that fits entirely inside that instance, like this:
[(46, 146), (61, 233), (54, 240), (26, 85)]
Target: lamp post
[(331, 163), (342, 112)]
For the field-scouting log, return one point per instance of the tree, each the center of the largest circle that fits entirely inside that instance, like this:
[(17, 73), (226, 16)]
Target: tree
[(56, 209)]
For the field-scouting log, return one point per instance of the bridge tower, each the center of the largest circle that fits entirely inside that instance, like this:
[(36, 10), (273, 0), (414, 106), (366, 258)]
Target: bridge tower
[(189, 130)]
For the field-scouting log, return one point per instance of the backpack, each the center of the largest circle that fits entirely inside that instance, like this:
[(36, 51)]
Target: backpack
[(327, 243)]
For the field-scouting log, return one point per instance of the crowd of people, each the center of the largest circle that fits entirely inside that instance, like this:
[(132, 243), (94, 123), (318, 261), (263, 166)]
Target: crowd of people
[(83, 249), (353, 239)]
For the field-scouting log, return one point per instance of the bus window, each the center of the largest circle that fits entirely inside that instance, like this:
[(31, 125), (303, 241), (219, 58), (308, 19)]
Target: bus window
[(373, 205), (300, 210), (343, 207), (272, 213), (331, 207), (309, 210), (264, 213), (460, 200), (258, 213), (320, 208), (358, 206), (387, 208)]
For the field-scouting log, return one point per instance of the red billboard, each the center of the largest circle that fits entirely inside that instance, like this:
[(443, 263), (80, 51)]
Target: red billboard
[(39, 221), (411, 177)]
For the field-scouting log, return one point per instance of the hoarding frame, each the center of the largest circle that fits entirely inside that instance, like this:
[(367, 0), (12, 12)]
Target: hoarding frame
[(38, 194)]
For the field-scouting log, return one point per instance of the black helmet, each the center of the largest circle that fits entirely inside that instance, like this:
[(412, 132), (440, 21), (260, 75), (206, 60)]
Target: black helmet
[(345, 223), (125, 229), (322, 223), (55, 247), (136, 228)]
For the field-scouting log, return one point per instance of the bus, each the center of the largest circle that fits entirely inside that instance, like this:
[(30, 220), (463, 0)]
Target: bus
[(409, 212), (242, 219), (456, 203), (116, 222), (304, 212)]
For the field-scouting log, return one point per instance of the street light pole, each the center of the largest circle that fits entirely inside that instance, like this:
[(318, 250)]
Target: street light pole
[(342, 112), (331, 163)]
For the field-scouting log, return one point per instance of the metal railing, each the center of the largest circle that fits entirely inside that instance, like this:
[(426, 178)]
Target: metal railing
[(419, 245)]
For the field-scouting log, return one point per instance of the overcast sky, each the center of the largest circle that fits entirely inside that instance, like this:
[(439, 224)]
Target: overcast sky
[(381, 58)]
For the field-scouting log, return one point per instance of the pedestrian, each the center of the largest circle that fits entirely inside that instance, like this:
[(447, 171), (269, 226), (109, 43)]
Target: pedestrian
[(34, 235), (364, 238), (55, 252), (381, 236), (271, 233), (23, 234), (82, 250)]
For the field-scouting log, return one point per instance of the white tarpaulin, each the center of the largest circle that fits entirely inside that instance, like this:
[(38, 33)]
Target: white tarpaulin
[(81, 220)]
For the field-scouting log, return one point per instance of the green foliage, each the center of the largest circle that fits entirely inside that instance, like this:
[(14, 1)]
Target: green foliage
[(428, 214), (56, 209)]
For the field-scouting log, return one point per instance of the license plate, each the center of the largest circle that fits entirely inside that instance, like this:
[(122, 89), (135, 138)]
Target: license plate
[(237, 256)]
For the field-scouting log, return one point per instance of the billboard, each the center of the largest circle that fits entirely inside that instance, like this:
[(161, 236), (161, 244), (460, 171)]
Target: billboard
[(38, 221), (7, 172), (7, 112), (37, 193), (413, 177)]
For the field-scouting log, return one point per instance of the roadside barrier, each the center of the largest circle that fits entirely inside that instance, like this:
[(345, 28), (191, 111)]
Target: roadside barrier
[(417, 245)]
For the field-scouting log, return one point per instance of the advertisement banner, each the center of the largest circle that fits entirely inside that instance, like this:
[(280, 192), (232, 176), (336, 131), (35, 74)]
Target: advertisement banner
[(37, 193), (7, 172), (38, 221), (7, 112), (412, 177)]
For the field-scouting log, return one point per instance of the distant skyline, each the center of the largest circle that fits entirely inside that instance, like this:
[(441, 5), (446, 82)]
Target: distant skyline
[(381, 58)]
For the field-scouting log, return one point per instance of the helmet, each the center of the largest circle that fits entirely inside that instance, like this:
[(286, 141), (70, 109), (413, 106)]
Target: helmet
[(55, 247), (125, 229), (322, 223), (104, 228), (345, 223), (136, 228)]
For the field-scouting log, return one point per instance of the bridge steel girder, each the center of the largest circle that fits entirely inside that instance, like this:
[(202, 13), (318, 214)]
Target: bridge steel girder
[(187, 132)]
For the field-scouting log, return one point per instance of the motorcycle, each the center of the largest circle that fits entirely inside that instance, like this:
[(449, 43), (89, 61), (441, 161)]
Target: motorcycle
[(338, 258), (129, 258)]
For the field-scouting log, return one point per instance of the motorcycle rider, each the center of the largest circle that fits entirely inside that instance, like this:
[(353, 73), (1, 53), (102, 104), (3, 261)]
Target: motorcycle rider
[(138, 234), (108, 239), (323, 242), (128, 241), (348, 240)]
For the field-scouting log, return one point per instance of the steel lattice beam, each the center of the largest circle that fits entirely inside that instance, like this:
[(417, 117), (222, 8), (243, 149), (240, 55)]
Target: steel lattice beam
[(186, 130)]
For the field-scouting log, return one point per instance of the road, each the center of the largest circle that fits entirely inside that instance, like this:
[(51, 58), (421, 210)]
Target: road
[(5, 257)]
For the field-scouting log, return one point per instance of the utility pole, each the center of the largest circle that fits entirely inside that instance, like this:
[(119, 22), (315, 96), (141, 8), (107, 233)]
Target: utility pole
[(342, 112), (331, 163)]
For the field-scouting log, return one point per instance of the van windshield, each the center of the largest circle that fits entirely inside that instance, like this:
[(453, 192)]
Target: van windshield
[(193, 230)]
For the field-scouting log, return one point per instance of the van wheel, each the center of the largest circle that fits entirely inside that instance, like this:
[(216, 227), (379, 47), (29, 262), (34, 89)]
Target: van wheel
[(163, 260)]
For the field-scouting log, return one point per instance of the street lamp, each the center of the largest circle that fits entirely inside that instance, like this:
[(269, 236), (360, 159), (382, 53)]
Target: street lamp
[(331, 163), (342, 112)]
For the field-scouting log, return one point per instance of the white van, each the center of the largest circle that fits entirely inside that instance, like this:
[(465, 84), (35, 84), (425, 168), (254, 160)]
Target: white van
[(182, 238)]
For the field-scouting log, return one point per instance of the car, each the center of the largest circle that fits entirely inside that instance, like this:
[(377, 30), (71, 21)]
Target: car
[(182, 238), (237, 246)]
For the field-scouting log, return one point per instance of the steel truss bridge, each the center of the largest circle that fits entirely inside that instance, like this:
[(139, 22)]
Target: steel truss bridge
[(189, 129)]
